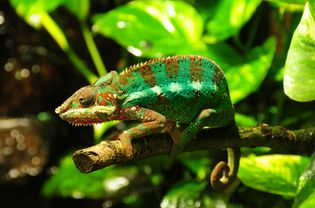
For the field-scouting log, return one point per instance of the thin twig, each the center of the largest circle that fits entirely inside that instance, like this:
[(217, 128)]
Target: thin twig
[(112, 152)]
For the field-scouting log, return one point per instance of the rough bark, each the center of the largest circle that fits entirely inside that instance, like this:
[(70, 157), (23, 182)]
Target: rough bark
[(279, 138)]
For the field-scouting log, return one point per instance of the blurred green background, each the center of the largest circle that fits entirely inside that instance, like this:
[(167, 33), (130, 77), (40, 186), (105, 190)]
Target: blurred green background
[(49, 49)]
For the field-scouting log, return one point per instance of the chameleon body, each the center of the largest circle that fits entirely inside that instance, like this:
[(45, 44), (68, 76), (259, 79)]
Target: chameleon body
[(179, 95)]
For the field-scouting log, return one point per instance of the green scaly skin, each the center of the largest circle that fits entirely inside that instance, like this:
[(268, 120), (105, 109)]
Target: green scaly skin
[(180, 95)]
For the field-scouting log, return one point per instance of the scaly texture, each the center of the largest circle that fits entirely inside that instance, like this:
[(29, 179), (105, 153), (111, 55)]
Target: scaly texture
[(179, 95)]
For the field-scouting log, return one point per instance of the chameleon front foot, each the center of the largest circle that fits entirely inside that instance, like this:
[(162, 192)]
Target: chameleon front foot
[(126, 144)]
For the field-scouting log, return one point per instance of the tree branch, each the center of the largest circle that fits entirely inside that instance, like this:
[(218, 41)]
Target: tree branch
[(112, 152)]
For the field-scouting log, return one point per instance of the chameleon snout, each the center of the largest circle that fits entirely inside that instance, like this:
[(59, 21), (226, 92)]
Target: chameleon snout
[(61, 109), (58, 110), (64, 107)]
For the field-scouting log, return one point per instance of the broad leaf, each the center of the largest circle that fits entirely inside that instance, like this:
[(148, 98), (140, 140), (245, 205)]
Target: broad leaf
[(105, 183), (301, 2), (197, 162), (192, 194), (299, 74), (35, 13), (306, 195), (147, 27), (289, 5), (277, 174), (244, 73), (185, 194), (229, 18), (206, 8), (80, 8), (244, 120), (31, 10)]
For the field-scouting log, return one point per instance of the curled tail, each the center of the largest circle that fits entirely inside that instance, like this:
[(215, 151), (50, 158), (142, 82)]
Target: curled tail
[(224, 174)]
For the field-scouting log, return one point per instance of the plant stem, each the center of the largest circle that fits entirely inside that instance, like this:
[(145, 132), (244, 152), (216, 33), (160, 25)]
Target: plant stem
[(80, 66), (57, 34), (100, 67), (54, 30)]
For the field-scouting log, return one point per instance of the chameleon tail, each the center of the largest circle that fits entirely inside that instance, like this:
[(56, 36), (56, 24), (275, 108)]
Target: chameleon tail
[(224, 174)]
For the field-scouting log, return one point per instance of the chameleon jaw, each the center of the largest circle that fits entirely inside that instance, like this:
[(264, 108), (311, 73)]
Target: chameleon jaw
[(88, 116)]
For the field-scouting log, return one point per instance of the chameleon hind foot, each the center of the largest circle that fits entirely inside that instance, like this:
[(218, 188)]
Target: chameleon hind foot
[(178, 145), (182, 137)]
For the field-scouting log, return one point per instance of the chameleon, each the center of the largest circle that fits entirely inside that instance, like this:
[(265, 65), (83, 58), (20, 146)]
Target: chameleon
[(179, 95)]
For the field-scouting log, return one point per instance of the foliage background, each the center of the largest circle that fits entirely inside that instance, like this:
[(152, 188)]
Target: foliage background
[(74, 42)]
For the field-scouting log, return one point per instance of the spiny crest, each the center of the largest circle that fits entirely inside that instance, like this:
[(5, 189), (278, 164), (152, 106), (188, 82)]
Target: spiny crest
[(153, 61), (105, 79), (74, 124)]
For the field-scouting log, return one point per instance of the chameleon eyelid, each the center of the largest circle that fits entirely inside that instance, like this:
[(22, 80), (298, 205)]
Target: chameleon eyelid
[(86, 101)]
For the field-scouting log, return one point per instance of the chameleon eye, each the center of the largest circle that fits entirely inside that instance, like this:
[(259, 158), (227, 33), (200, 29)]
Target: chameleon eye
[(87, 97), (87, 101)]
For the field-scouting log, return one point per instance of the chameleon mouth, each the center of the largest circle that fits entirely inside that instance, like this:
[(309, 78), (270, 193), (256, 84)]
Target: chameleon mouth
[(87, 116)]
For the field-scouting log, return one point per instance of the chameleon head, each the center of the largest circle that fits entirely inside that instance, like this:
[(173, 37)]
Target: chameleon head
[(82, 108)]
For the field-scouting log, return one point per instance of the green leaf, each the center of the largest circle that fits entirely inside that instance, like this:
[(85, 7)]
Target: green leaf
[(80, 8), (306, 194), (244, 120), (229, 18), (289, 6), (104, 183), (244, 73), (185, 194), (145, 28), (197, 162), (301, 2), (31, 10), (206, 8), (101, 128), (192, 194), (277, 174), (299, 74), (35, 13)]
